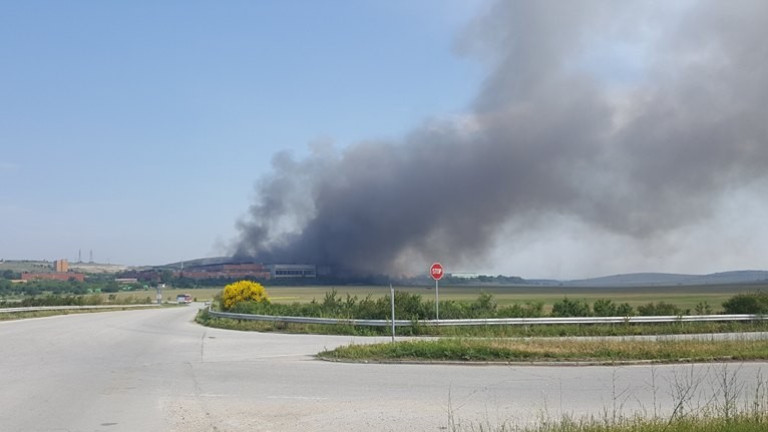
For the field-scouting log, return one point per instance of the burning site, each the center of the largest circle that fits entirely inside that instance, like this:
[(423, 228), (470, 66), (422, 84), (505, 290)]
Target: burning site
[(635, 120)]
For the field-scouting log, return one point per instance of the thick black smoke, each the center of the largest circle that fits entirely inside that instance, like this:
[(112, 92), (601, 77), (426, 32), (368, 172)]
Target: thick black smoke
[(632, 116)]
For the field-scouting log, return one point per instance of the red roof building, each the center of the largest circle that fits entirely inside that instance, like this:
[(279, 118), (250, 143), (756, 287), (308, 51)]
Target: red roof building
[(53, 276)]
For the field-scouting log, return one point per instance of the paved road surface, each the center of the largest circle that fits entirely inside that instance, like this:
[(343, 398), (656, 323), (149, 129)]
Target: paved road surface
[(155, 370)]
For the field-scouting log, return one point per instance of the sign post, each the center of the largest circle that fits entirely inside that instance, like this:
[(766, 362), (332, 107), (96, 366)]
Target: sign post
[(436, 271), (392, 299)]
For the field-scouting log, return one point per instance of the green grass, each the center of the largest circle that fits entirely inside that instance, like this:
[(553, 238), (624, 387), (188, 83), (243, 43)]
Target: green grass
[(685, 297), (538, 350), (742, 422), (576, 330)]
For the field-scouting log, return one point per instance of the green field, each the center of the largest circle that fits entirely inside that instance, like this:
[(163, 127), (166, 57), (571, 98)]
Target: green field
[(685, 297)]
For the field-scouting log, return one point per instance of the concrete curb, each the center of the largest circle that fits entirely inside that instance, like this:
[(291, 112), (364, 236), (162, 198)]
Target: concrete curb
[(540, 363)]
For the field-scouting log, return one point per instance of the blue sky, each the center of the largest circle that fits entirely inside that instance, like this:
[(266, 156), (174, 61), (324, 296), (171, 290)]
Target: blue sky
[(138, 129)]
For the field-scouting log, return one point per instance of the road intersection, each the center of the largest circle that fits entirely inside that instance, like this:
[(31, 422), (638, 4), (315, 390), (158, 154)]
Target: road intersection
[(156, 370)]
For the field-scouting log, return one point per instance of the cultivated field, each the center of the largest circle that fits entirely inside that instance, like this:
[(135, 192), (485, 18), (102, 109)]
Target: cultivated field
[(685, 297)]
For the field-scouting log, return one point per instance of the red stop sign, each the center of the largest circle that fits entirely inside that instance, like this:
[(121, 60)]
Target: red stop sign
[(436, 271)]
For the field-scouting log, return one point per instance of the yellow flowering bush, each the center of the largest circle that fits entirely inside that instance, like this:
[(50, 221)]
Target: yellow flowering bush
[(242, 291)]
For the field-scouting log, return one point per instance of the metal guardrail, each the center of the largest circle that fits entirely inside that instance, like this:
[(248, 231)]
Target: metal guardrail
[(492, 321), (55, 308)]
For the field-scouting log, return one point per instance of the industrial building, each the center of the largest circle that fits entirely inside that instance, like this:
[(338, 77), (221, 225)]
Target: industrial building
[(465, 275), (61, 266), (59, 276), (226, 271), (277, 271), (60, 273), (248, 270)]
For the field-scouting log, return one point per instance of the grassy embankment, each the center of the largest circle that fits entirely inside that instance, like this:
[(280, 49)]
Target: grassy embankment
[(745, 421), (419, 309), (542, 331), (548, 350)]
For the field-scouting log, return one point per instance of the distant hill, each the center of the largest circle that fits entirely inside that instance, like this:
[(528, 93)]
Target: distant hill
[(741, 276), (25, 265), (633, 279), (668, 279)]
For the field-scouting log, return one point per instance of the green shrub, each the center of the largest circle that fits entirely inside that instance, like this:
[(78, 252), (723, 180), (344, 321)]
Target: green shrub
[(407, 306), (607, 308), (484, 307), (625, 310), (570, 308), (750, 303), (604, 308), (703, 308), (455, 310), (529, 310), (660, 308)]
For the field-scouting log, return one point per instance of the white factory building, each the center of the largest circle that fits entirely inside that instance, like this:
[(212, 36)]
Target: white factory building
[(277, 271), (465, 275)]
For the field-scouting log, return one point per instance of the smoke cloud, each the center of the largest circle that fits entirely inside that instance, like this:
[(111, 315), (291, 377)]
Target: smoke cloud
[(632, 117)]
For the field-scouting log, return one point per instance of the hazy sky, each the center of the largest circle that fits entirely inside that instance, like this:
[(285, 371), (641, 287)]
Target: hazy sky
[(144, 131)]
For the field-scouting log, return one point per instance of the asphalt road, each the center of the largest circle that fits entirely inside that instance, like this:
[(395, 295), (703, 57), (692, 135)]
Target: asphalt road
[(155, 370)]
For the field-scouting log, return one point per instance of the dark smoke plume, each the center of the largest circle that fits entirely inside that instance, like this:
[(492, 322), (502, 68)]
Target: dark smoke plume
[(631, 116)]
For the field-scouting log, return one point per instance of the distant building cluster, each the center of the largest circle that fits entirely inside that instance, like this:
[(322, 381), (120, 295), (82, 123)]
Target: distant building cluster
[(60, 273), (225, 271), (53, 276), (207, 272), (465, 275), (127, 281), (277, 271), (249, 270)]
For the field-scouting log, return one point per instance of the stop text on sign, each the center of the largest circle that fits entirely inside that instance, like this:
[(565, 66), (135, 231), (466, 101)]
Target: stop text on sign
[(436, 271)]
